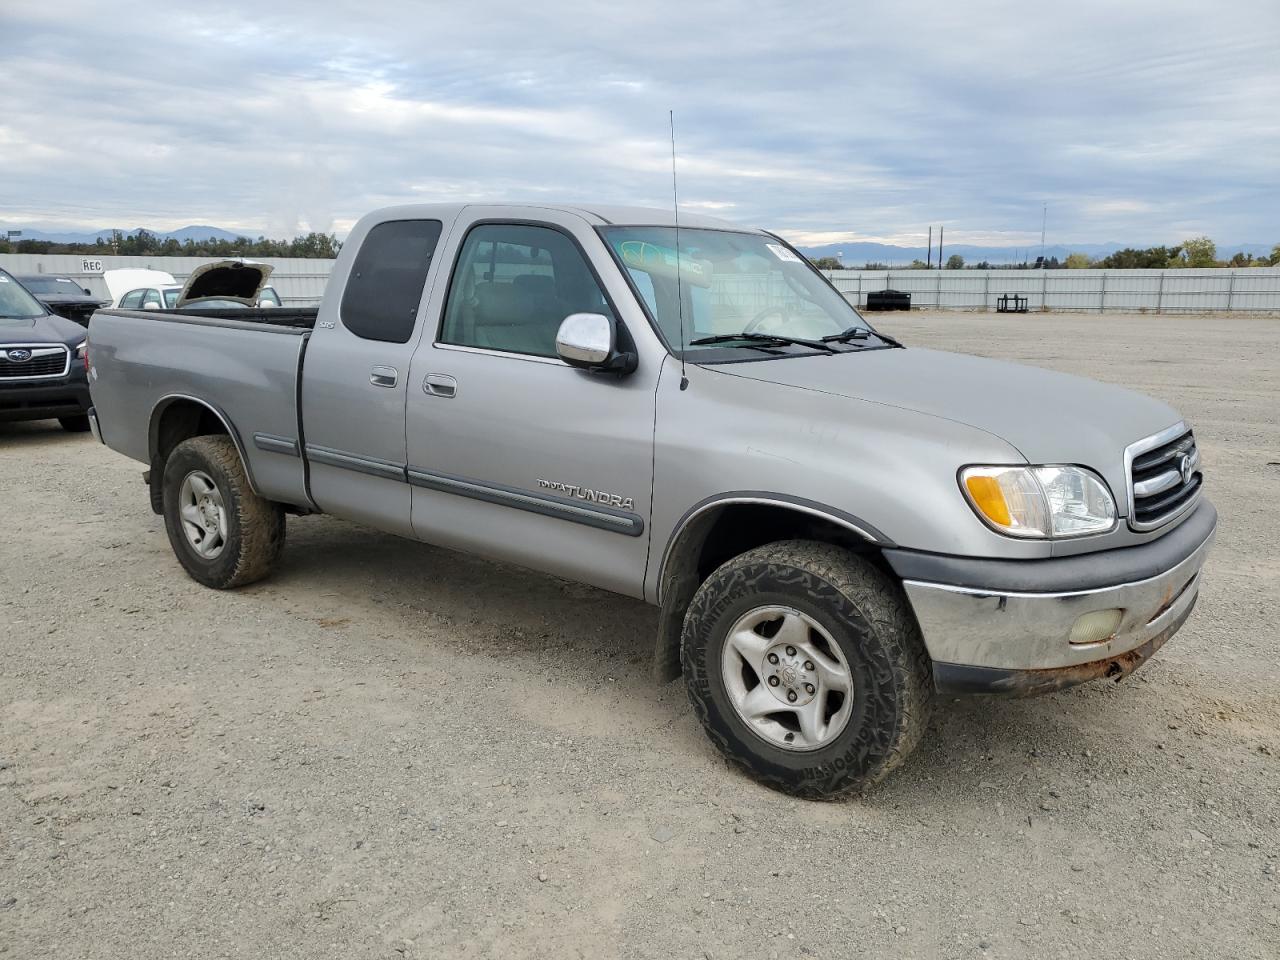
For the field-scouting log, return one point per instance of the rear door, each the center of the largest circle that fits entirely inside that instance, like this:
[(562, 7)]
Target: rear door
[(357, 369), (512, 453)]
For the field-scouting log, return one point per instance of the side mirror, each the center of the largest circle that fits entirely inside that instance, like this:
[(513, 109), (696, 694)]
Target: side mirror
[(589, 341), (87, 291)]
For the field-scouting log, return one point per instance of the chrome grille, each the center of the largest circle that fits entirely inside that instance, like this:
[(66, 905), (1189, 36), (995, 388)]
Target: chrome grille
[(1164, 477), (44, 360)]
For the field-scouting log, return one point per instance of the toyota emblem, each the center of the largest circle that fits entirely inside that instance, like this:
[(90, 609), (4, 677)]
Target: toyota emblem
[(1184, 468), (21, 355)]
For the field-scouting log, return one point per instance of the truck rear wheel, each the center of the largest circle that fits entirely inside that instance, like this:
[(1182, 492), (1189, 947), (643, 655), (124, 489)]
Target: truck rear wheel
[(223, 533), (807, 668)]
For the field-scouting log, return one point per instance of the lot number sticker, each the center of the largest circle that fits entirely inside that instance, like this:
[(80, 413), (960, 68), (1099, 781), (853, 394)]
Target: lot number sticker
[(782, 253)]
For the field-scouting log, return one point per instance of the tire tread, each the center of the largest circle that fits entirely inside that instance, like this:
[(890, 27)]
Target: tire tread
[(260, 522), (879, 600)]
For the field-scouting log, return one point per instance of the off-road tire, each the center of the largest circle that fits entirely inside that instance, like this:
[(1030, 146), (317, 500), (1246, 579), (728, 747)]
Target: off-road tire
[(866, 613), (255, 527), (78, 424)]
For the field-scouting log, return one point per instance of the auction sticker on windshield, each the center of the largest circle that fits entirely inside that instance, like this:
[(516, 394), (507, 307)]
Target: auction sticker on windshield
[(782, 253)]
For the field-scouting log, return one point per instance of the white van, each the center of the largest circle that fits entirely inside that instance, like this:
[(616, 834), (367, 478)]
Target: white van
[(120, 282)]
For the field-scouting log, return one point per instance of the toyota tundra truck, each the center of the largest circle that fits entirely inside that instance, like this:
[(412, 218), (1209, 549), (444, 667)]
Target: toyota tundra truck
[(837, 528)]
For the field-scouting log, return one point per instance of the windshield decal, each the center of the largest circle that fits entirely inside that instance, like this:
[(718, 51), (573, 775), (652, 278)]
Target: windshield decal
[(782, 253)]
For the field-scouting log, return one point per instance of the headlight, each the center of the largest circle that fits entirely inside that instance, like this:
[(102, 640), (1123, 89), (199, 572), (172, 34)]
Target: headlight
[(1040, 502), (80, 349)]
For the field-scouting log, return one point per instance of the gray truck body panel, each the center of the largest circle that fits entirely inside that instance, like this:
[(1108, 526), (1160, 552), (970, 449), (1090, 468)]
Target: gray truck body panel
[(246, 373), (592, 478)]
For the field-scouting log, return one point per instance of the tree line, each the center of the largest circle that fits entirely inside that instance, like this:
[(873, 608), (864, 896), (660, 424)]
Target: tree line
[(146, 244), (1197, 252)]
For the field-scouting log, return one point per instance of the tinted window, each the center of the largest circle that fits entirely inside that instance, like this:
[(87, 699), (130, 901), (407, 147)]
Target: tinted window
[(513, 287), (132, 300), (385, 286)]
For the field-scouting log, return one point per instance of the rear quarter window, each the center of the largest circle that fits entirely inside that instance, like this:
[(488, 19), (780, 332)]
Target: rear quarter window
[(384, 288)]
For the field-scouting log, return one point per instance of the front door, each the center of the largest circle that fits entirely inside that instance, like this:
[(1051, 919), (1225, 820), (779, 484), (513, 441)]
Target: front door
[(356, 373), (512, 453)]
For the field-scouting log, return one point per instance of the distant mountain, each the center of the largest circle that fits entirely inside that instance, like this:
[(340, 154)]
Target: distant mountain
[(182, 235), (857, 254)]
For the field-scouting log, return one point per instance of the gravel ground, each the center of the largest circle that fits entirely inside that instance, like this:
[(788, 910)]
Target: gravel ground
[(389, 750)]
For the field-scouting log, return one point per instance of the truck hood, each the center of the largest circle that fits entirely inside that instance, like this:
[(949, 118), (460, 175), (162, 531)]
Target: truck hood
[(47, 329), (238, 280), (1048, 417)]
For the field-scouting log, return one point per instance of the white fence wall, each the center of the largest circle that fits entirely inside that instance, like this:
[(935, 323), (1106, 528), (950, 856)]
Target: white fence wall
[(1098, 291), (299, 281)]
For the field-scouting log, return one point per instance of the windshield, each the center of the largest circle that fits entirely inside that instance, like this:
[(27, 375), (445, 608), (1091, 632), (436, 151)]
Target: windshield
[(729, 283), (15, 302), (171, 296), (59, 285)]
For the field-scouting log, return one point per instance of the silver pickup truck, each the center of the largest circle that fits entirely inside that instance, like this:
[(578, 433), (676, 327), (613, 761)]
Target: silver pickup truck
[(835, 527)]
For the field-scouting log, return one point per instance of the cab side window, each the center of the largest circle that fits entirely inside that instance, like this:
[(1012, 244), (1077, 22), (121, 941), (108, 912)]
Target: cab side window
[(132, 300), (385, 286), (513, 286), (150, 297)]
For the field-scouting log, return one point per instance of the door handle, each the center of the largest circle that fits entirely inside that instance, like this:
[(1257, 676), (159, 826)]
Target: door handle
[(439, 385), (383, 376)]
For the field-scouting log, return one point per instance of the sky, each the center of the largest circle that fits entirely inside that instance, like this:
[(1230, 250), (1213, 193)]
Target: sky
[(1134, 122)]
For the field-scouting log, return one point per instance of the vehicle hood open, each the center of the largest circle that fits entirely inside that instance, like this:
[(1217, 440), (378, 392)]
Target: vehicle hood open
[(238, 280), (1049, 417)]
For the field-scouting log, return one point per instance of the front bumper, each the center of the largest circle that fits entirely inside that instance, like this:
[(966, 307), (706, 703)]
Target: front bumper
[(44, 400), (1003, 626)]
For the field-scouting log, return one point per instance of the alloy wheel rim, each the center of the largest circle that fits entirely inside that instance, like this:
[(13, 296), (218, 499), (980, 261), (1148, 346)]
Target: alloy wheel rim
[(787, 678), (203, 514)]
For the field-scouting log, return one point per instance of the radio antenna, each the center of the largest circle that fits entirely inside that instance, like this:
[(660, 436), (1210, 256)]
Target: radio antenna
[(675, 209)]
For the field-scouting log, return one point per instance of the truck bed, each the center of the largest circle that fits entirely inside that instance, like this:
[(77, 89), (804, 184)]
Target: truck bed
[(243, 365)]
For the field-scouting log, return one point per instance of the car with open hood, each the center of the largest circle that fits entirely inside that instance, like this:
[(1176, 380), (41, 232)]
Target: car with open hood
[(837, 528), (42, 361), (220, 285)]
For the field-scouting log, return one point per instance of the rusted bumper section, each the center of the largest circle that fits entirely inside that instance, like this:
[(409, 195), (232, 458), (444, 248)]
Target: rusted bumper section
[(958, 678), (1024, 627)]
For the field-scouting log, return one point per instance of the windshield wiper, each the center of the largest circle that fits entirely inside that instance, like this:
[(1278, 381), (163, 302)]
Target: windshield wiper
[(859, 333), (763, 338)]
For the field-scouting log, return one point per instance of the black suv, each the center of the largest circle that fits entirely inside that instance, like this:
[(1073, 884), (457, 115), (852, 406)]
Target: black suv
[(43, 370)]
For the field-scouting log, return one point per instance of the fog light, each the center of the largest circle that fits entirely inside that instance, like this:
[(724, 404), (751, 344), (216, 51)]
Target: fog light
[(1096, 626)]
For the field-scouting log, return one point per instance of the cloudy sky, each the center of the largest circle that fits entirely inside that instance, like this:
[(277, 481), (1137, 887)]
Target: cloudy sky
[(1136, 122)]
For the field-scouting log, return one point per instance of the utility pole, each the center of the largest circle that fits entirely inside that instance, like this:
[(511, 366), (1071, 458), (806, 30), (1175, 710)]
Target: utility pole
[(1044, 219), (929, 255), (940, 229)]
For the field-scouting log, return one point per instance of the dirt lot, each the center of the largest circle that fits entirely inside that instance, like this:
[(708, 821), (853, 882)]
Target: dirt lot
[(389, 750)]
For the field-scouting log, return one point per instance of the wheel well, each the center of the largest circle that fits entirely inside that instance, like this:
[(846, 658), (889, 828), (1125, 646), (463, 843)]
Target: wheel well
[(739, 527), (180, 420), (722, 533)]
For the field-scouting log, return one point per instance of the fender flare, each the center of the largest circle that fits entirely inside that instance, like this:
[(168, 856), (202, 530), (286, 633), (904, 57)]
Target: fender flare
[(673, 597), (168, 400), (813, 508)]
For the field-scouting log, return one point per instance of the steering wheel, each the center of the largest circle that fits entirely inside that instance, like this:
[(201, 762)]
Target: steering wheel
[(759, 318)]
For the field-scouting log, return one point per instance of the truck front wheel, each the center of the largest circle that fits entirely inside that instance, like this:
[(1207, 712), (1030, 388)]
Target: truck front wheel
[(807, 668), (223, 533)]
